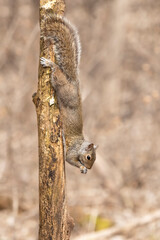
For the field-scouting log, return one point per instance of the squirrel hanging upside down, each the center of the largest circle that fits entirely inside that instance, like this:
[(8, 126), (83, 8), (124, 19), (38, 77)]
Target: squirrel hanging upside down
[(63, 37)]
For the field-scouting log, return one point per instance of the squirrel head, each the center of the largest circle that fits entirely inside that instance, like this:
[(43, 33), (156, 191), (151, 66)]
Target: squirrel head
[(87, 154)]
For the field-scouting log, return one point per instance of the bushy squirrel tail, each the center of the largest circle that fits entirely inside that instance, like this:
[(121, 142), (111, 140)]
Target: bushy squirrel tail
[(66, 44)]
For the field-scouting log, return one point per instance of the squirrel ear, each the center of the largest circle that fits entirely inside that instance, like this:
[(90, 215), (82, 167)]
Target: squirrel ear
[(96, 146), (90, 147)]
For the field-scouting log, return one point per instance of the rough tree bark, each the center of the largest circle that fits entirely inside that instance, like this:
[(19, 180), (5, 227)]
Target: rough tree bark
[(54, 220)]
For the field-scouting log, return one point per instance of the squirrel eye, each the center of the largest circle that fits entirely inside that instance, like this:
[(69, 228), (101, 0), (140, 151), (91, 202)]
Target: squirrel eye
[(88, 157)]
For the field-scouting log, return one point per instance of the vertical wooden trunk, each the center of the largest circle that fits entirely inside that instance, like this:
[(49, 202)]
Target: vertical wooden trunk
[(54, 221)]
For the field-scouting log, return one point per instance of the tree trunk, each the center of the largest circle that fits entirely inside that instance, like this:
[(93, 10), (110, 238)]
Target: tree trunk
[(54, 221)]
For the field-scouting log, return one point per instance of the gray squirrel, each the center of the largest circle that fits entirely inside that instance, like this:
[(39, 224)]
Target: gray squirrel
[(64, 39)]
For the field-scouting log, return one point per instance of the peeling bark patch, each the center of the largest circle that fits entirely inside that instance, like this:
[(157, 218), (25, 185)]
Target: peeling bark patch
[(52, 175), (54, 138), (54, 159), (53, 154), (58, 121)]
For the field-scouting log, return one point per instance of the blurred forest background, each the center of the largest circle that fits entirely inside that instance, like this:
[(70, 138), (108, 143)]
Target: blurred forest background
[(120, 82)]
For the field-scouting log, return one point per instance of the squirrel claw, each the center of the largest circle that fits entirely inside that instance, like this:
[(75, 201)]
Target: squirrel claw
[(83, 169)]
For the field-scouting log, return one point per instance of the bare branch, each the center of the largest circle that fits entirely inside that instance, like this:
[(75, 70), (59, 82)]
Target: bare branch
[(55, 223)]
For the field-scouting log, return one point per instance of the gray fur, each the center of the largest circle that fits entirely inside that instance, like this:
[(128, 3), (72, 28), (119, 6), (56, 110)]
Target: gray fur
[(63, 37)]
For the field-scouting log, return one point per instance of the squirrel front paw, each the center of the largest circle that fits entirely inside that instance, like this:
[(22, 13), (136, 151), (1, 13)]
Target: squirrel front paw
[(46, 62), (83, 169)]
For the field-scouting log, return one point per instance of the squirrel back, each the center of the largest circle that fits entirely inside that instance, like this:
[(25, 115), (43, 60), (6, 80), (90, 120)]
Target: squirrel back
[(58, 29)]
